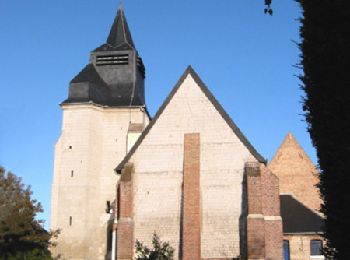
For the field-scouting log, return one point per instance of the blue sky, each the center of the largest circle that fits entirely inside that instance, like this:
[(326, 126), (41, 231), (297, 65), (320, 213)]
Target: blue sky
[(246, 59)]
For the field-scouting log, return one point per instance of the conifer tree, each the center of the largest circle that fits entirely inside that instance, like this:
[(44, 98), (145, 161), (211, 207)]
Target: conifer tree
[(21, 235), (325, 61)]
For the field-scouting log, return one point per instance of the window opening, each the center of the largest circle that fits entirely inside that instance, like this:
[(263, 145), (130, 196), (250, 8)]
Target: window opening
[(286, 253), (108, 206), (316, 247), (118, 201), (70, 220), (116, 59)]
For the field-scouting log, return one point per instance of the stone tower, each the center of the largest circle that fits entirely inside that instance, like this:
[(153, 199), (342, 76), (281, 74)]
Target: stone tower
[(102, 117)]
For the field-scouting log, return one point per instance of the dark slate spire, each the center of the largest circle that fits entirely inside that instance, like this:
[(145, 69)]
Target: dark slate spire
[(120, 33), (115, 75)]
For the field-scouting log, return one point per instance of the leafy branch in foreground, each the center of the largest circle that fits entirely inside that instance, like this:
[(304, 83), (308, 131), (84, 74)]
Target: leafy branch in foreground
[(22, 236), (160, 251)]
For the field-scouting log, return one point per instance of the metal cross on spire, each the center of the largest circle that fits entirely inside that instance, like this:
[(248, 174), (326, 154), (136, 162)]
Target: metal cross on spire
[(120, 4)]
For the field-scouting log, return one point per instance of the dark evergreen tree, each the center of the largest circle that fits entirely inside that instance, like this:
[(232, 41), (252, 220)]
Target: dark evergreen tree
[(21, 235), (325, 60)]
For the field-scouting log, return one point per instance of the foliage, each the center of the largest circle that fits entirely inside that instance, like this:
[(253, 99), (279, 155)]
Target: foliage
[(21, 235), (268, 9), (325, 60), (160, 250)]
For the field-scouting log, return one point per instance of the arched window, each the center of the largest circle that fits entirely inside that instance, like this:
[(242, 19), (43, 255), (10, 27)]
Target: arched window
[(286, 253), (316, 247)]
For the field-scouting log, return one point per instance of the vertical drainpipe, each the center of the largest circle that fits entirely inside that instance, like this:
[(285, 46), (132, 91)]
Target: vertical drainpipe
[(114, 226), (114, 242)]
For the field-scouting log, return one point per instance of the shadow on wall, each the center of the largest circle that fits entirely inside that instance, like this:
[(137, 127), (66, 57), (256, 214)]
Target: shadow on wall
[(109, 240), (181, 221), (243, 219)]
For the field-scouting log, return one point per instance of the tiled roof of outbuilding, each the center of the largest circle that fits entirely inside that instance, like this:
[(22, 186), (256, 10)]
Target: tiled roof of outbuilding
[(297, 218)]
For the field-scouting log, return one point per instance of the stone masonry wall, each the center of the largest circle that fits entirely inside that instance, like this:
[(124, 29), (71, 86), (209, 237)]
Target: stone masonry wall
[(92, 143), (159, 163)]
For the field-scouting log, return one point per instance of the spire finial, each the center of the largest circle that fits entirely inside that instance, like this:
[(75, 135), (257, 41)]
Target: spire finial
[(120, 33)]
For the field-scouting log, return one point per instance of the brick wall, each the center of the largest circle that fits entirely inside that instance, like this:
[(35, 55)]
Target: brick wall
[(125, 226), (159, 164), (296, 172), (191, 193), (299, 245), (264, 223), (272, 215), (255, 219)]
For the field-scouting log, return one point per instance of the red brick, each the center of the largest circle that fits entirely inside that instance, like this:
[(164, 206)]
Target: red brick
[(271, 211), (296, 172), (191, 203), (255, 221), (125, 226)]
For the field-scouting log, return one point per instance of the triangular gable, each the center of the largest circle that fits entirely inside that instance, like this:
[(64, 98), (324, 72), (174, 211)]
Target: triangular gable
[(214, 102), (290, 144)]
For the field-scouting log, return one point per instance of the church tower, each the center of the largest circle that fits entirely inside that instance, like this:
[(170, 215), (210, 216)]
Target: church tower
[(103, 116)]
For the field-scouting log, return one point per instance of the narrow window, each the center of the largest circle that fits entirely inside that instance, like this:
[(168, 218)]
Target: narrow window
[(70, 220), (286, 253), (108, 206), (316, 247), (72, 174), (70, 147), (118, 201)]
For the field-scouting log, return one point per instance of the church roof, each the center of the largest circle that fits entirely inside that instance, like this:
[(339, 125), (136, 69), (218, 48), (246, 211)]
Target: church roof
[(89, 74), (119, 37), (212, 99), (297, 218), (120, 33), (106, 80)]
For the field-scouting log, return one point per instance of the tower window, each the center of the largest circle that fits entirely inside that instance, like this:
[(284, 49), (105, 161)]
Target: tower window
[(70, 220), (70, 147), (116, 59), (72, 174)]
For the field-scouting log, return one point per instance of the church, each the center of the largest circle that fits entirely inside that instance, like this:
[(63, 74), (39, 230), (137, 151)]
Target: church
[(187, 174)]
